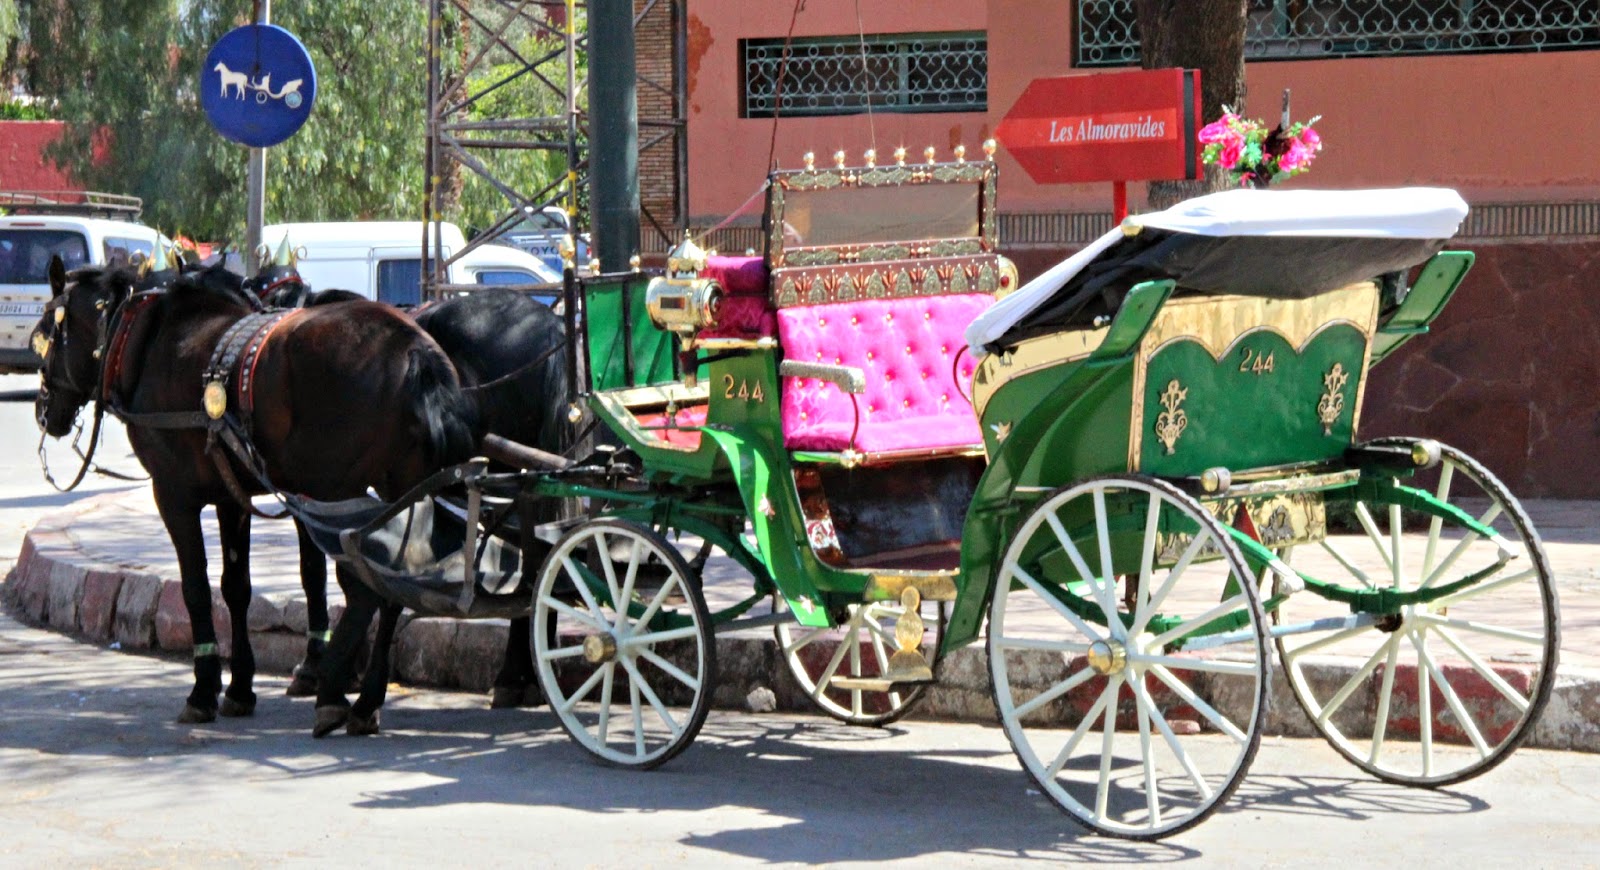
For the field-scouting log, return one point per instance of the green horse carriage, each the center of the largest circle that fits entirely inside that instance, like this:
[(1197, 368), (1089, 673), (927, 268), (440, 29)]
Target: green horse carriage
[(1132, 478)]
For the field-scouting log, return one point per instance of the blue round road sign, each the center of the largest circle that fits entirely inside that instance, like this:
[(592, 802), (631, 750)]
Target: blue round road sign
[(257, 85)]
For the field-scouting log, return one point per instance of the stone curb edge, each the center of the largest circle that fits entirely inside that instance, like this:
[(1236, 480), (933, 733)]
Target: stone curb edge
[(57, 585)]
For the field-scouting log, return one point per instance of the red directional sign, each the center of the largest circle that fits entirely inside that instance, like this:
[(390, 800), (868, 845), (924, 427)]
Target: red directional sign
[(1123, 126)]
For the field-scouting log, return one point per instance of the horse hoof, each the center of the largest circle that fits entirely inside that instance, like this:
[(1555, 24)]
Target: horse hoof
[(302, 685), (329, 718), (362, 726), (193, 715), (236, 709)]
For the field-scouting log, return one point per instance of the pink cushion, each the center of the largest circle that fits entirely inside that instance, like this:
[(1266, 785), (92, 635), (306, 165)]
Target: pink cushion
[(693, 415), (745, 311), (908, 349)]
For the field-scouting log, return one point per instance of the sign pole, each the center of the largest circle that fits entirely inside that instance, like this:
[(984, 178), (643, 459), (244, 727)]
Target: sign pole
[(256, 178), (1119, 202)]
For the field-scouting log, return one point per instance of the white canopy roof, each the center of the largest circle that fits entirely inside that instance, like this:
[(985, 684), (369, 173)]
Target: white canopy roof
[(1398, 213)]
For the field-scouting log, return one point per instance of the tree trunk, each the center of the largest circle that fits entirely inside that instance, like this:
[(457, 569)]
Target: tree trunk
[(1207, 35)]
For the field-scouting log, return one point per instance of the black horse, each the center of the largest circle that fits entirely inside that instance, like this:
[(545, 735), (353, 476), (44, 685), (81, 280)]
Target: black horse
[(332, 401), (507, 349)]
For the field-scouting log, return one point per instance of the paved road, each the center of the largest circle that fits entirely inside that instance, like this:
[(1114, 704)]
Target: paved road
[(96, 773)]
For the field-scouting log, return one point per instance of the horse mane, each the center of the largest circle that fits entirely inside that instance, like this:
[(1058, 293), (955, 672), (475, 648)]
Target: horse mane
[(211, 283)]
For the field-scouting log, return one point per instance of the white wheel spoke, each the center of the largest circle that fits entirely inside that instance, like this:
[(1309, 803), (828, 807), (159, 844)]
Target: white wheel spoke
[(855, 671), (1152, 794), (1142, 695), (1447, 473), (626, 595), (1451, 700), (1153, 606), (833, 667), (1350, 685), (1105, 585), (1107, 749), (655, 637), (609, 569), (670, 669), (638, 716), (1060, 646), (610, 669), (1424, 715), (1188, 625), (1055, 603), (1504, 688), (1101, 595), (659, 599), (1147, 558), (1380, 722), (1200, 706), (1455, 553), (591, 618), (1342, 559), (576, 575), (582, 692), (1210, 666), (650, 695), (1479, 628), (1076, 736), (1371, 528), (804, 640), (1054, 692), (1396, 526), (1330, 640), (1481, 588), (565, 652)]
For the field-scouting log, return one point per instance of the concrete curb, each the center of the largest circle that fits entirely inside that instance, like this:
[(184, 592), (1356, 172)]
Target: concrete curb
[(58, 585)]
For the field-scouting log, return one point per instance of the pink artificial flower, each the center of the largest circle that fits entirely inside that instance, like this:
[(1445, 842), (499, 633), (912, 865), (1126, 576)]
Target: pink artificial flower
[(1220, 130), (1310, 139), (1232, 152), (1297, 157)]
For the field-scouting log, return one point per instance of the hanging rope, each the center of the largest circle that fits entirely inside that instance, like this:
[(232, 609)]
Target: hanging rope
[(777, 89)]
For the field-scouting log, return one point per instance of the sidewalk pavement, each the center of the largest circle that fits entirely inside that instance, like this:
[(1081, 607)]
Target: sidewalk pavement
[(105, 571)]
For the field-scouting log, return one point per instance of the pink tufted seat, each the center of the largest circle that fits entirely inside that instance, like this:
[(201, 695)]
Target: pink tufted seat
[(746, 311), (908, 349)]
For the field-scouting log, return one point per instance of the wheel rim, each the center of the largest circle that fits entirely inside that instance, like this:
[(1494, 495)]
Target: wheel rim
[(858, 647), (1132, 736), (631, 685), (1441, 691)]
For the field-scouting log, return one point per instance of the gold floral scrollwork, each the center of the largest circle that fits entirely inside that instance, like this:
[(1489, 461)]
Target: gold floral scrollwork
[(1171, 422), (1331, 405)]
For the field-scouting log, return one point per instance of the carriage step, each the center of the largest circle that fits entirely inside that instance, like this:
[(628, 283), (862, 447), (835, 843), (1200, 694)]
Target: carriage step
[(876, 684)]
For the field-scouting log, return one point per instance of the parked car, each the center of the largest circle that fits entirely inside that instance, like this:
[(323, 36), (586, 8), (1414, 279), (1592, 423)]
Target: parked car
[(540, 234), (83, 229), (382, 260)]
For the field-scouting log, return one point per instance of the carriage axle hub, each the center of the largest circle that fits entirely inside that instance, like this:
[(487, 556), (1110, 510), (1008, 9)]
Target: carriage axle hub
[(599, 648), (1107, 656)]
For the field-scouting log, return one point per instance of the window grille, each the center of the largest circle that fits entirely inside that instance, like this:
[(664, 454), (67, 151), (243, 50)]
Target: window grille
[(844, 75), (1295, 29)]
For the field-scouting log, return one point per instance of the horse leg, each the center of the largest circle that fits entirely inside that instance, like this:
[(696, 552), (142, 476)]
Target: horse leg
[(339, 659), (233, 522), (183, 527), (314, 582), (375, 684), (516, 685)]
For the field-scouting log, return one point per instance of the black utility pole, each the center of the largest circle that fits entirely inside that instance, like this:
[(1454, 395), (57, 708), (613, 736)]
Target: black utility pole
[(614, 128)]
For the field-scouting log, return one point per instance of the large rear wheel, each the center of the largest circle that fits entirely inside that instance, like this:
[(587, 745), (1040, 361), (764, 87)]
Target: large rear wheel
[(1441, 690), (1128, 656)]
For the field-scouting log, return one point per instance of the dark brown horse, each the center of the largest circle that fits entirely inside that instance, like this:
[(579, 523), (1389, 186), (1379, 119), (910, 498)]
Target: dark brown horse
[(334, 400)]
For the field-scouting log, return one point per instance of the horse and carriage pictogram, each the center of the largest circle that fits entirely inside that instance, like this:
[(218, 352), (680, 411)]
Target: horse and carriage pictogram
[(1136, 479)]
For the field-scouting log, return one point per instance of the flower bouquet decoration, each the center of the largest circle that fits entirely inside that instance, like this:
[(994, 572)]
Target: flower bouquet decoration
[(1257, 156)]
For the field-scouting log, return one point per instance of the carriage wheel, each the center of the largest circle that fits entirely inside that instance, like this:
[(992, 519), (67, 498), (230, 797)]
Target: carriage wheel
[(1132, 691), (631, 684), (1443, 691), (858, 647)]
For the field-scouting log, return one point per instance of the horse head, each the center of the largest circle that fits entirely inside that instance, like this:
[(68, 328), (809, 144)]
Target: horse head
[(72, 336), (278, 286)]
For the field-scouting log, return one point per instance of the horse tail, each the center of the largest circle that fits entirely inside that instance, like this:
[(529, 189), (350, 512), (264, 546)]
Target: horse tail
[(446, 411)]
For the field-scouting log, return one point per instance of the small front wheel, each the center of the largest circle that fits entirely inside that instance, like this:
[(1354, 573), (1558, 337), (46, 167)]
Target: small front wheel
[(623, 644), (824, 660), (1128, 656)]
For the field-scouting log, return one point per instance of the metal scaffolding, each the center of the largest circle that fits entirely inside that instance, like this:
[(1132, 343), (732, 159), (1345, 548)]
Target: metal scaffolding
[(478, 49)]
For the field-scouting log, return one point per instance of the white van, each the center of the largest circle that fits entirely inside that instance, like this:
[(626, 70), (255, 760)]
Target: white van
[(382, 260), (38, 229)]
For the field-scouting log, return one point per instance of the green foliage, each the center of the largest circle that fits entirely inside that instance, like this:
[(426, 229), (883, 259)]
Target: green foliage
[(522, 97), (15, 111), (135, 124)]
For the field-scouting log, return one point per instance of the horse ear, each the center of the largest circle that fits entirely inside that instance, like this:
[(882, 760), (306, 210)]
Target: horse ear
[(58, 275)]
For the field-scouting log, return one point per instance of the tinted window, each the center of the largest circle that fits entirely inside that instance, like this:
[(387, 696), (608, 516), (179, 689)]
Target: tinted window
[(25, 254), (120, 252), (508, 276), (400, 282)]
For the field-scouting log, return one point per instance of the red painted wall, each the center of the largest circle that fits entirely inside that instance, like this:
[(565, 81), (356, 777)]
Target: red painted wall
[(22, 162)]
